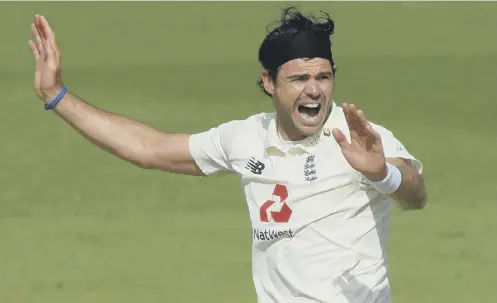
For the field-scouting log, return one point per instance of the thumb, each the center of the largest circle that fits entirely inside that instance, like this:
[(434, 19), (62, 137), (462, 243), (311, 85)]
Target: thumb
[(340, 138)]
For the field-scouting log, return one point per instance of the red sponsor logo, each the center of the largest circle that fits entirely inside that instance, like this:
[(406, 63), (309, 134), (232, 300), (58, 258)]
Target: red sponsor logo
[(278, 211)]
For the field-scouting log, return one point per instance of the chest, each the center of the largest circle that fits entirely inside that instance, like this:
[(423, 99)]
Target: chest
[(290, 190)]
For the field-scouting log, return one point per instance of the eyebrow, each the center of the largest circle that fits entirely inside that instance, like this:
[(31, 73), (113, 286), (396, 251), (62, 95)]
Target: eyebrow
[(297, 76)]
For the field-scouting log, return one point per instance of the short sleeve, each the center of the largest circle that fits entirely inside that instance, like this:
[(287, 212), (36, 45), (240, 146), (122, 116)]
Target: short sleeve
[(210, 149), (393, 148)]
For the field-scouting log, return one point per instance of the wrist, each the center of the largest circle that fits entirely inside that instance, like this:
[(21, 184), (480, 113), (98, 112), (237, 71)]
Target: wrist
[(390, 183), (50, 94), (51, 100), (377, 176)]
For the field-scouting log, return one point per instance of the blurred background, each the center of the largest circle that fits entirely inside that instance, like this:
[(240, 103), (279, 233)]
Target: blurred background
[(78, 225)]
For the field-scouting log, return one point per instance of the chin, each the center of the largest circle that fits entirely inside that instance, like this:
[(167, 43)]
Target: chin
[(309, 118), (308, 131)]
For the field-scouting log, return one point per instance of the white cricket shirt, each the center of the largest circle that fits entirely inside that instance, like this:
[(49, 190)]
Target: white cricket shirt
[(319, 230)]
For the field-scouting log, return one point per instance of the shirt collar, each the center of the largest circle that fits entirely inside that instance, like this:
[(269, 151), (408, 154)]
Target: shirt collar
[(308, 145)]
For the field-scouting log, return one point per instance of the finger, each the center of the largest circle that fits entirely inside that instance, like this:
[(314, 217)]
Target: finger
[(34, 49), (47, 30), (340, 138), (36, 36), (43, 42), (352, 111), (360, 121), (366, 125), (50, 36), (42, 31), (51, 56), (345, 108), (347, 111), (39, 26), (352, 108), (39, 63), (362, 118), (372, 132), (352, 118), (56, 51), (39, 43)]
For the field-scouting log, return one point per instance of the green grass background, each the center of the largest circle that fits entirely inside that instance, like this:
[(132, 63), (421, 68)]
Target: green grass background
[(78, 225)]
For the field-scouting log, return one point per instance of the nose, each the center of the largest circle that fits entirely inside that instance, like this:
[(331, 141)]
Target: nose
[(312, 89)]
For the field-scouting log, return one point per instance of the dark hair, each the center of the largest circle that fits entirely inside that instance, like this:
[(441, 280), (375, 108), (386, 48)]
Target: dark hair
[(292, 22)]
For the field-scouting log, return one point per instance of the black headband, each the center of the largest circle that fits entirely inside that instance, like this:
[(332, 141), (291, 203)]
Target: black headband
[(303, 44)]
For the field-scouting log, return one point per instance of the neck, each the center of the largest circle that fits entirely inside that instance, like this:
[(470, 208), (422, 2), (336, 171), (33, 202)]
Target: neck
[(288, 133)]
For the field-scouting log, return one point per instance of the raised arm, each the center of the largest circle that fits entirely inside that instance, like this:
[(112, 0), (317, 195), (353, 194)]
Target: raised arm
[(382, 161), (126, 138), (411, 193)]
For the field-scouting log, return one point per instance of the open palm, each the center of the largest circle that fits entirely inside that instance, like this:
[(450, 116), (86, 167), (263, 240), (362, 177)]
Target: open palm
[(365, 150), (47, 80)]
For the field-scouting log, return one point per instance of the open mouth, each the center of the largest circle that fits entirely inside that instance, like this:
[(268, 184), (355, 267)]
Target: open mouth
[(309, 110)]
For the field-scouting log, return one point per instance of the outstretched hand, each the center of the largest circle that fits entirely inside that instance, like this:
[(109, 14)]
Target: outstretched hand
[(365, 150), (47, 82)]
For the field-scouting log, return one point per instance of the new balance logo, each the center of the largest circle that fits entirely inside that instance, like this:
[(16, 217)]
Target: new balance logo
[(255, 166)]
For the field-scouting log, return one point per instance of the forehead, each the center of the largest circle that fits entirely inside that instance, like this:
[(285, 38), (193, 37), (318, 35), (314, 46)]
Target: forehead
[(314, 65)]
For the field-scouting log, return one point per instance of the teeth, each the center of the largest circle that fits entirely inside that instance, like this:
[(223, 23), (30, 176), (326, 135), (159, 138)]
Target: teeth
[(313, 105)]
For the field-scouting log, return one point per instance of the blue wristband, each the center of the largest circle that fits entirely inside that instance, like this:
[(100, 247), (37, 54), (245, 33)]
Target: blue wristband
[(57, 98)]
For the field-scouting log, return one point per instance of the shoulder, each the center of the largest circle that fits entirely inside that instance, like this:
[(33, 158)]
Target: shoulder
[(389, 140), (236, 135), (257, 122), (394, 148), (245, 138), (252, 124), (381, 130), (387, 137), (251, 131)]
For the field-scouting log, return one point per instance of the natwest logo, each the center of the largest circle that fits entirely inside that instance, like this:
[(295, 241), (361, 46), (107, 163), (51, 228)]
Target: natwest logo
[(276, 209)]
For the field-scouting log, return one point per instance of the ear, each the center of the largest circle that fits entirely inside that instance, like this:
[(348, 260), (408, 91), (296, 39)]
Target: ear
[(268, 82)]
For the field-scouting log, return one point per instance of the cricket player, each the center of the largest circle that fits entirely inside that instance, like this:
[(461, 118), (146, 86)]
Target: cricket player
[(319, 178)]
